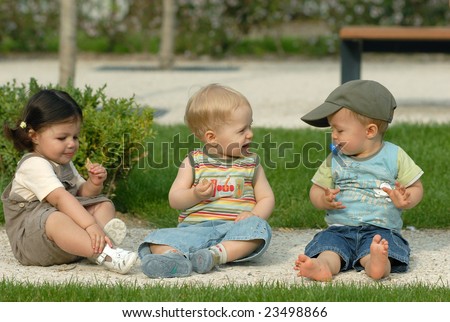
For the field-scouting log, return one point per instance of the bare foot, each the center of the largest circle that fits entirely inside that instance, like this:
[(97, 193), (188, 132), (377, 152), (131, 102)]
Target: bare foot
[(313, 268), (378, 265)]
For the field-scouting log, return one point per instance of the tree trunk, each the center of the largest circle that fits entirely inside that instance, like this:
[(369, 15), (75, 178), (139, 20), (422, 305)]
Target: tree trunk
[(67, 42), (166, 49)]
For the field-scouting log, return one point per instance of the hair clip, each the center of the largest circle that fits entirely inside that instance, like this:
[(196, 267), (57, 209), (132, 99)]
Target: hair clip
[(23, 125)]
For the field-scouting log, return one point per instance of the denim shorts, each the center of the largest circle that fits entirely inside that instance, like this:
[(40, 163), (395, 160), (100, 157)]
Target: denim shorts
[(188, 238), (353, 243)]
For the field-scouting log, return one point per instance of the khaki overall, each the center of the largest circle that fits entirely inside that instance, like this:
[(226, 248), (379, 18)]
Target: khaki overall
[(25, 222)]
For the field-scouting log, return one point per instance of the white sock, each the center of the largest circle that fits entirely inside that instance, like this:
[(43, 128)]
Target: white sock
[(221, 251)]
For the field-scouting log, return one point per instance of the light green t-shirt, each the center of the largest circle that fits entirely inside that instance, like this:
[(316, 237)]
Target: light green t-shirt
[(408, 171), (361, 183)]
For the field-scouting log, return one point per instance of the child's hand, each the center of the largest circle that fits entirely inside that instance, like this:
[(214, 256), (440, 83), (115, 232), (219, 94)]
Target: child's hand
[(243, 215), (330, 199), (98, 238), (97, 173), (204, 189), (399, 195)]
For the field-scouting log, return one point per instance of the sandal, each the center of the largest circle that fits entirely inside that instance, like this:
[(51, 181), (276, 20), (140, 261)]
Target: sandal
[(121, 260)]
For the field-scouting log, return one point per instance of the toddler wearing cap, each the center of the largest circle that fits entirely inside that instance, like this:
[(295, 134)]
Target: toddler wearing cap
[(363, 186)]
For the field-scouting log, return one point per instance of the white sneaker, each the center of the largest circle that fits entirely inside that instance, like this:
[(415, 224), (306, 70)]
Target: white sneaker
[(116, 230), (121, 260)]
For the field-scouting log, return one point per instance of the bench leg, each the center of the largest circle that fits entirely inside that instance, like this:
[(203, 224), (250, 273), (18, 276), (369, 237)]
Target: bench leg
[(350, 60)]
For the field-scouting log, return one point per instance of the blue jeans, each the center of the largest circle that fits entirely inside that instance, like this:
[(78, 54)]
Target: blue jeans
[(353, 243), (188, 238)]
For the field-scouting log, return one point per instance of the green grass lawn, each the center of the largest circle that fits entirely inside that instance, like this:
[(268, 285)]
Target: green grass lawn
[(290, 158), (274, 292)]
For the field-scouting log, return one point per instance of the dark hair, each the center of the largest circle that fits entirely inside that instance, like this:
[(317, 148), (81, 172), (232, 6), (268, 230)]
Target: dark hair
[(46, 107)]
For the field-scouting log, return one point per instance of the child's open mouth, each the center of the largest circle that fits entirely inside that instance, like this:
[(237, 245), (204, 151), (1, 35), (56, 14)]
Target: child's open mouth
[(246, 149)]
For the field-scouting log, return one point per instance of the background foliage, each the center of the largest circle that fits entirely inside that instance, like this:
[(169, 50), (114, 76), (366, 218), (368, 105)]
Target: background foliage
[(112, 131), (208, 27)]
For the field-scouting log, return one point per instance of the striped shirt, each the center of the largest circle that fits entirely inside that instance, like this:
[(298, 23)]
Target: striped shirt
[(232, 181)]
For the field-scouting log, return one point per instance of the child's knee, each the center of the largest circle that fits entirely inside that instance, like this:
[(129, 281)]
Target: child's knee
[(259, 226)]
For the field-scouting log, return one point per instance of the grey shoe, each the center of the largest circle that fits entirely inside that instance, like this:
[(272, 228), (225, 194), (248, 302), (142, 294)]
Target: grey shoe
[(116, 230), (204, 260), (166, 265)]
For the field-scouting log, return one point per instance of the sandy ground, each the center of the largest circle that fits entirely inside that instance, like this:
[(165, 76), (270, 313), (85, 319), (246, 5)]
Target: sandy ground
[(280, 92), (430, 263)]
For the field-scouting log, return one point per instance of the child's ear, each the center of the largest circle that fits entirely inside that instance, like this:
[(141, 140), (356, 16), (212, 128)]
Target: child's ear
[(210, 137), (33, 135), (371, 130)]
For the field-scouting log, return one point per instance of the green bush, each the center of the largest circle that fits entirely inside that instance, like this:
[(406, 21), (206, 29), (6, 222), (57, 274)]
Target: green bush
[(112, 131)]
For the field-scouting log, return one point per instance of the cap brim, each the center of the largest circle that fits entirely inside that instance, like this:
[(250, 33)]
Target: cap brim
[(318, 116)]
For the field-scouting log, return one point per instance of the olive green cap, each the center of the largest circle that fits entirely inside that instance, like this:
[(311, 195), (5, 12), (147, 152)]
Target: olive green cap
[(365, 97)]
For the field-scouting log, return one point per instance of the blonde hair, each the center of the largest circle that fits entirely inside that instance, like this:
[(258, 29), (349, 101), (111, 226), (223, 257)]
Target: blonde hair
[(382, 125), (210, 107)]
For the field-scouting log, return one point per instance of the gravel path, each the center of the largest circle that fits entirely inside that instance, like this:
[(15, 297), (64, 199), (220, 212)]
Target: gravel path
[(279, 91), (430, 263)]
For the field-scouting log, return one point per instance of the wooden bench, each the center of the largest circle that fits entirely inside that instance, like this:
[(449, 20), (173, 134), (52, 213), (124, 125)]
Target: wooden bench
[(358, 39)]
